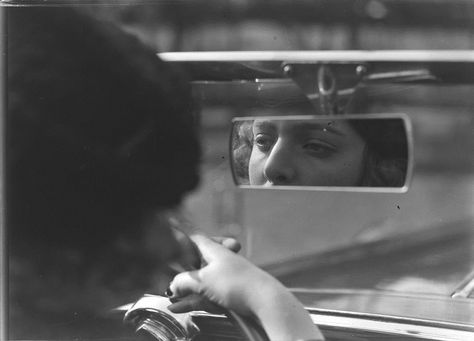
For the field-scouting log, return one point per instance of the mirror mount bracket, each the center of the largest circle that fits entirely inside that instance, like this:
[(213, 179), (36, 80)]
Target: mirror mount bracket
[(328, 86)]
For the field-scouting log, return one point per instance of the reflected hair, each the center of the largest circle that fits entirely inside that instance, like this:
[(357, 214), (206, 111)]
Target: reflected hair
[(241, 144), (386, 154)]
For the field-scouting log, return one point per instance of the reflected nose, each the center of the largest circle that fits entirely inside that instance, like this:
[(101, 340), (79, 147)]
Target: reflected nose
[(279, 168)]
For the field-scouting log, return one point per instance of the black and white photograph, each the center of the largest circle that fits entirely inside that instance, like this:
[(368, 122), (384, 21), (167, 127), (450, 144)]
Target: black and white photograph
[(248, 170)]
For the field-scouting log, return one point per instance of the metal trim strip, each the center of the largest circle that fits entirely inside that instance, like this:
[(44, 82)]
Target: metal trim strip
[(422, 56)]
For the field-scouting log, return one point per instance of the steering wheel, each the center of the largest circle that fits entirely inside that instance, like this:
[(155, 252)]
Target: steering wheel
[(149, 314), (249, 328)]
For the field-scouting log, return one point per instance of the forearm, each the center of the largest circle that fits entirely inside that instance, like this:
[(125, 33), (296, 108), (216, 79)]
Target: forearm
[(283, 317)]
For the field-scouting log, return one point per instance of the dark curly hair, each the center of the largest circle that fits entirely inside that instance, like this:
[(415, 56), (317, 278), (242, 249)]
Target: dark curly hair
[(386, 158), (99, 134), (94, 120)]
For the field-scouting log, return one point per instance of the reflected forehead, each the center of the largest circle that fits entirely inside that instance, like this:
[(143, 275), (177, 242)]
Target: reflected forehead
[(266, 124), (325, 126), (298, 126)]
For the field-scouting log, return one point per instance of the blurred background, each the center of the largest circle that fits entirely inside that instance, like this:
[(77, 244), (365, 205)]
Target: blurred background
[(300, 25)]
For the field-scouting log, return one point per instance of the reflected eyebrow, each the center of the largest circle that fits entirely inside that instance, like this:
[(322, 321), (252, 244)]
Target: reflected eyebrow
[(320, 127), (260, 124)]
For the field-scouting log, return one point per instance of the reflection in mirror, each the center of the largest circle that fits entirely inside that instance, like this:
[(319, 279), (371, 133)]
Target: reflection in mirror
[(346, 151)]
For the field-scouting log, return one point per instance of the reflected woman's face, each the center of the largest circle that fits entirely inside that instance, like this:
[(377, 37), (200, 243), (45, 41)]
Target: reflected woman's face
[(305, 153)]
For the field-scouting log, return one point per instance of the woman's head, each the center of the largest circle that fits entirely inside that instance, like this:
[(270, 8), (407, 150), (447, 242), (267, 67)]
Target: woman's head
[(100, 134), (94, 116), (321, 152)]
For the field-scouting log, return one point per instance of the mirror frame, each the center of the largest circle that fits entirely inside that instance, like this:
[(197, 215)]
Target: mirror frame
[(410, 161)]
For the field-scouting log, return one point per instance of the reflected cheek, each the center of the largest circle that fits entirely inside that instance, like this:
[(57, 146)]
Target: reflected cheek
[(354, 166), (345, 170), (316, 175)]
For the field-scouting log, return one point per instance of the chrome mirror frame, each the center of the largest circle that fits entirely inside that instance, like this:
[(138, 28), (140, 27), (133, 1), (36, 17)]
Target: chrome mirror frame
[(410, 151)]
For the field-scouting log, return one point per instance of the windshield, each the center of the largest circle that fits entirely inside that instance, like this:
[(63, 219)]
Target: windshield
[(434, 216)]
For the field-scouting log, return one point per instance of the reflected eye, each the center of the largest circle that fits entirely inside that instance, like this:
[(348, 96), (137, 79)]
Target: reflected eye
[(263, 142), (319, 149)]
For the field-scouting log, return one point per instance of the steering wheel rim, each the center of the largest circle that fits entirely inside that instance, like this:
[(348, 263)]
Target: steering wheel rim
[(250, 329)]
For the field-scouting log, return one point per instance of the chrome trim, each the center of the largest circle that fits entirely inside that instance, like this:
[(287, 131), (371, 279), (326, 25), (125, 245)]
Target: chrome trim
[(421, 74), (396, 328), (322, 56), (410, 144), (350, 291), (422, 309), (465, 288), (328, 320), (388, 318)]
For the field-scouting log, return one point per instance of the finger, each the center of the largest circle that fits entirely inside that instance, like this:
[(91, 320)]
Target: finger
[(184, 284), (189, 255), (193, 303), (180, 307), (232, 244), (209, 249), (228, 242)]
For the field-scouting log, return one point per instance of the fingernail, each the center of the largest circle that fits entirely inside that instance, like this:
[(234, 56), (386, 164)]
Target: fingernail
[(168, 292)]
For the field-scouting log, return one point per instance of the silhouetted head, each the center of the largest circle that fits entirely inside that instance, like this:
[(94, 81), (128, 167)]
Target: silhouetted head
[(100, 137)]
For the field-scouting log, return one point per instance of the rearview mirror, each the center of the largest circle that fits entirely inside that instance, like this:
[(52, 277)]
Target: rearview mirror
[(349, 152)]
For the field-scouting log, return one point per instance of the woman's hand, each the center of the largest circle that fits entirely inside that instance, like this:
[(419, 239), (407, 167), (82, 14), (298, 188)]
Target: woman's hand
[(232, 282), (227, 279), (197, 302)]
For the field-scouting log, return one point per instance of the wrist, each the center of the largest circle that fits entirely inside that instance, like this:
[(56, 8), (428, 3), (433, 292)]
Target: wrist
[(282, 315), (267, 293)]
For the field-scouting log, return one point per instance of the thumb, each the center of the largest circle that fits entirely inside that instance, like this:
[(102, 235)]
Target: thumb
[(192, 303), (185, 283)]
